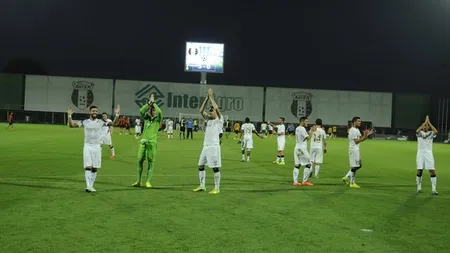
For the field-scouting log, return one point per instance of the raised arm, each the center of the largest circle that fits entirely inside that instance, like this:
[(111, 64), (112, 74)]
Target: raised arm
[(158, 111), (116, 116), (421, 127), (143, 110), (435, 131), (213, 102), (69, 118), (203, 107)]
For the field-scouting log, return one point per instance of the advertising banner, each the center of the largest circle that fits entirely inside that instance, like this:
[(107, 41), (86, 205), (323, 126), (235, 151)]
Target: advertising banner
[(236, 102)]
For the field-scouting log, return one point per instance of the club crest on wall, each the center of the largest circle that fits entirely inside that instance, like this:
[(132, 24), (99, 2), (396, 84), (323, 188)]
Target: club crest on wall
[(82, 95), (301, 104)]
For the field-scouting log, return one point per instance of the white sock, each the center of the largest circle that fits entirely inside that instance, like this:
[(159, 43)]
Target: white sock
[(433, 183), (93, 176), (282, 159), (317, 168), (87, 176), (243, 156), (248, 158), (419, 182), (295, 173), (278, 159), (202, 177), (217, 180), (352, 177), (349, 173), (112, 150), (306, 172)]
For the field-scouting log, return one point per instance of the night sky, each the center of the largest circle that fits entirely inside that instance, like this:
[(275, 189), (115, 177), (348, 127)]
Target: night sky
[(380, 45)]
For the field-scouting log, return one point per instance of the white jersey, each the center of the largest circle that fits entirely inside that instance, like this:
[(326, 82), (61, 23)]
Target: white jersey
[(263, 127), (317, 138), (281, 129), (93, 130), (270, 128), (425, 142), (248, 129), (301, 137), (170, 123), (137, 122), (106, 129), (213, 129), (353, 134)]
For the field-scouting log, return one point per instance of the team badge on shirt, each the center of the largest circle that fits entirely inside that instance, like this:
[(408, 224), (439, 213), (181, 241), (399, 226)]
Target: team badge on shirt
[(82, 95), (301, 104)]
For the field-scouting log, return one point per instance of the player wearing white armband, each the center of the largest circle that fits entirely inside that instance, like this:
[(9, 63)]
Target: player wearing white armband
[(106, 132), (247, 129), (318, 147), (425, 158)]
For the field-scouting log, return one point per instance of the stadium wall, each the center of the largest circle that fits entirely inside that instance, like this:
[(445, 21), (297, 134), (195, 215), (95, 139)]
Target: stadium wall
[(46, 99), (56, 94), (333, 107)]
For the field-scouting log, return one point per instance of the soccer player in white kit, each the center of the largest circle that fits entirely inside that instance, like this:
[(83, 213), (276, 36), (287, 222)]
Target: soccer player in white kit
[(106, 131), (281, 140), (354, 139), (263, 129), (318, 147), (137, 128), (92, 151), (169, 126), (211, 155), (247, 129), (425, 158), (301, 155)]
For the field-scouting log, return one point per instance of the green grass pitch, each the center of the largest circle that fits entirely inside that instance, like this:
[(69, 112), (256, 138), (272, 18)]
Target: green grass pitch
[(43, 206)]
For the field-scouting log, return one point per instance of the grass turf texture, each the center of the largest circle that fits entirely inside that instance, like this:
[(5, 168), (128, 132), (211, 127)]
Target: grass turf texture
[(44, 207)]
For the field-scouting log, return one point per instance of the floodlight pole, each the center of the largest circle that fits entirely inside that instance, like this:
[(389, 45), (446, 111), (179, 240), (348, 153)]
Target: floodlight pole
[(203, 78)]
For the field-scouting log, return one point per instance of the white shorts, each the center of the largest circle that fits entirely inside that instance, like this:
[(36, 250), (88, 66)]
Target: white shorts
[(281, 145), (92, 156), (317, 155), (301, 156), (425, 161), (211, 157), (137, 129), (354, 158), (247, 143), (170, 130), (106, 140)]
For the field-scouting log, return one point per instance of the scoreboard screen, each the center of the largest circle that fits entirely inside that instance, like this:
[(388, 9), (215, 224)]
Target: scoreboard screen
[(204, 57)]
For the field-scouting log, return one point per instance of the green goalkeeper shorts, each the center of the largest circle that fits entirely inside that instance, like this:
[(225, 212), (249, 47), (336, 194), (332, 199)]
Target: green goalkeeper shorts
[(147, 150)]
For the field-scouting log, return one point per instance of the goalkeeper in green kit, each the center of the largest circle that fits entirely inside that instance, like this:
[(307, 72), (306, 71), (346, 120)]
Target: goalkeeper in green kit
[(152, 115)]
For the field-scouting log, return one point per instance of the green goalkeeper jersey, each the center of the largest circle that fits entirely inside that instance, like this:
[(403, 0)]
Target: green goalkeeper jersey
[(151, 124)]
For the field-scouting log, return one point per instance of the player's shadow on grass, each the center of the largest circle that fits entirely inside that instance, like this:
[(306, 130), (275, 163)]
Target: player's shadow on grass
[(270, 190), (81, 181), (38, 186), (245, 181)]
